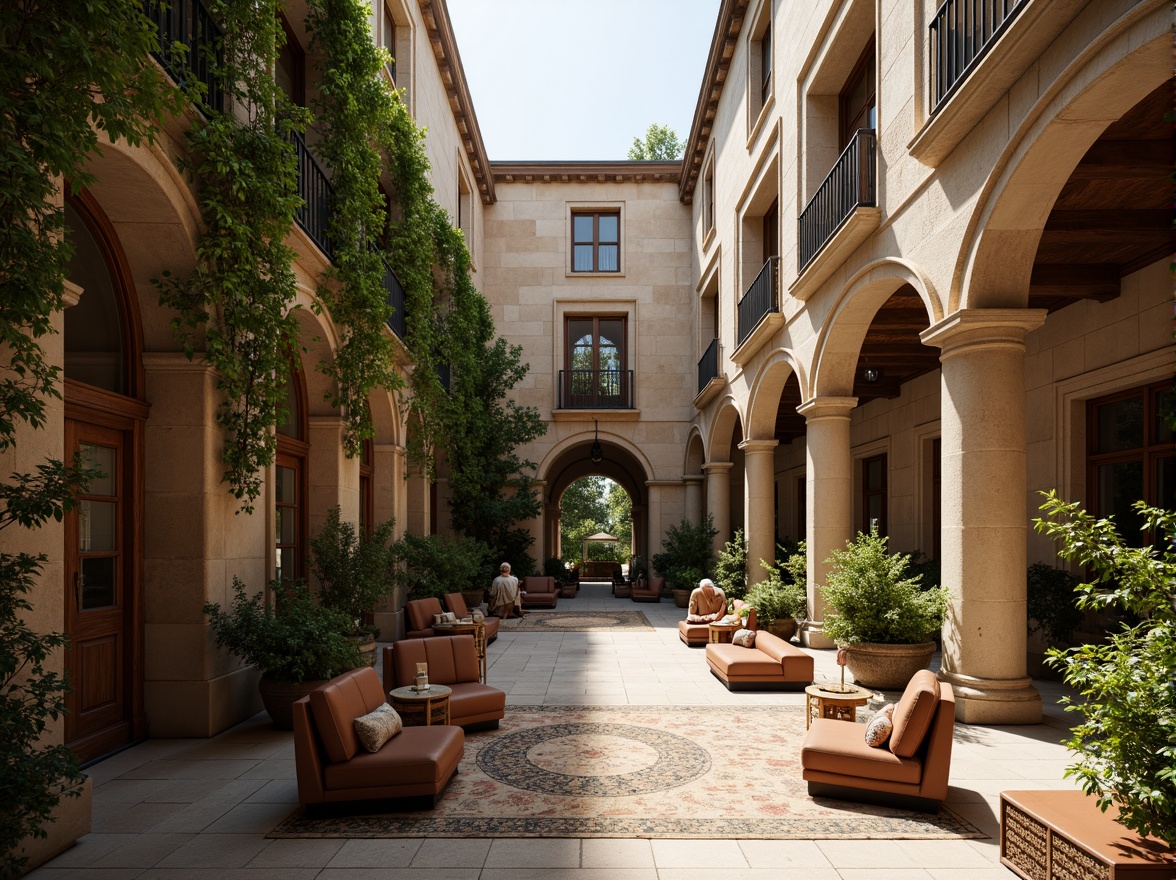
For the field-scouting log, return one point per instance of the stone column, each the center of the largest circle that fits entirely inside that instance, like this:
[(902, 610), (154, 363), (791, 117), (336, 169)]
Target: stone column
[(693, 484), (828, 499), (984, 521), (718, 499), (759, 473)]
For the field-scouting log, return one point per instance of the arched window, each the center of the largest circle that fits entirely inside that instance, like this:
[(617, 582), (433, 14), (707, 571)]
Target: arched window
[(290, 483)]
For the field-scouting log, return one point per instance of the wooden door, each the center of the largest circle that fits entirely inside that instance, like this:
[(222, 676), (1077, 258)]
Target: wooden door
[(98, 594)]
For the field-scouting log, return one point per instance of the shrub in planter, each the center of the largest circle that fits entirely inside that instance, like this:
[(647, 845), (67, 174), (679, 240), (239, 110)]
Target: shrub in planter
[(731, 567), (688, 553), (300, 642), (433, 565), (778, 597), (354, 571), (1126, 745)]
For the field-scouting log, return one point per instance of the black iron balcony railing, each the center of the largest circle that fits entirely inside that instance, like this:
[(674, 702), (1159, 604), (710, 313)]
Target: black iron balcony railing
[(595, 389), (315, 188), (961, 33), (760, 299), (395, 298), (708, 365), (850, 185), (189, 23)]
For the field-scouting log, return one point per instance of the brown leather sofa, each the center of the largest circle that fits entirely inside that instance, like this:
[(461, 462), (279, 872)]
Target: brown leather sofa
[(648, 590), (539, 592), (772, 665), (454, 663), (456, 603), (910, 771), (418, 617), (333, 767)]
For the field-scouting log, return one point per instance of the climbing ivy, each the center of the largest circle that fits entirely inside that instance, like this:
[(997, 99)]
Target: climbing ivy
[(239, 300), (353, 104)]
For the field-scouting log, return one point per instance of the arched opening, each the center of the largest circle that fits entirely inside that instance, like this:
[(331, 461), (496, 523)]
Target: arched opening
[(595, 505), (103, 534)]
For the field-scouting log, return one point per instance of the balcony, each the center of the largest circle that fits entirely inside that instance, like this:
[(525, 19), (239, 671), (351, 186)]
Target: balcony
[(595, 389), (850, 185), (961, 34), (710, 381), (395, 298), (315, 189), (188, 23), (761, 299)]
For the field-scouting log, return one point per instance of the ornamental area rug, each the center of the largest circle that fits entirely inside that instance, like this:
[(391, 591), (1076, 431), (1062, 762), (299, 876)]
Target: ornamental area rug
[(580, 621), (633, 771)]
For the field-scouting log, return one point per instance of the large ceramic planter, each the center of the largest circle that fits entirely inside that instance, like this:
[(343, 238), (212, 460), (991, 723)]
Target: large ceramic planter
[(473, 598), (887, 667), (279, 697), (784, 627), (681, 598)]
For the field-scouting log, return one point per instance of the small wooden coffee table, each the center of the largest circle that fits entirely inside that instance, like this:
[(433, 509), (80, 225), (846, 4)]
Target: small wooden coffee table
[(422, 708), (721, 632), (829, 701)]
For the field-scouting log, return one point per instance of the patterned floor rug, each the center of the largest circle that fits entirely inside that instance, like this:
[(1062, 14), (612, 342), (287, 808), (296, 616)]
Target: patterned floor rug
[(580, 621), (632, 771)]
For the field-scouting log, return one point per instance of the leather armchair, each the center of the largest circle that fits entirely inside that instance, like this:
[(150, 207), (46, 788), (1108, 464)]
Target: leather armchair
[(649, 590), (418, 617), (539, 592), (456, 603)]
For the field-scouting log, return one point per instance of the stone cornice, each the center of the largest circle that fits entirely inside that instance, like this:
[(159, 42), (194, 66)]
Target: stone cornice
[(440, 32), (623, 171), (723, 43)]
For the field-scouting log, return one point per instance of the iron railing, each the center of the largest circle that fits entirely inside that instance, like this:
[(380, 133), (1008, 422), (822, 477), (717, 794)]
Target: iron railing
[(708, 365), (850, 185), (394, 298), (315, 189), (760, 299), (961, 33), (595, 389), (188, 23)]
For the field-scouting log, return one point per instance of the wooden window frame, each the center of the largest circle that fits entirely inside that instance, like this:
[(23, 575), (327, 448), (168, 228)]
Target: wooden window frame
[(870, 492), (298, 62), (293, 452), (596, 242), (367, 485), (863, 68)]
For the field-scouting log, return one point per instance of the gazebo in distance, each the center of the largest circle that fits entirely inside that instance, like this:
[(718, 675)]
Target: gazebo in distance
[(597, 571)]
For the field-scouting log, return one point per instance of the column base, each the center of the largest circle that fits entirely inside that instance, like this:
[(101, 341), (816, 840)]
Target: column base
[(813, 636), (993, 700)]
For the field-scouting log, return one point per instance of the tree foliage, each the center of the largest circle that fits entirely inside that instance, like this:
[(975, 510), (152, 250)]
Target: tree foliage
[(688, 553), (74, 73), (238, 300), (660, 143), (1126, 744), (433, 565), (731, 567), (354, 569)]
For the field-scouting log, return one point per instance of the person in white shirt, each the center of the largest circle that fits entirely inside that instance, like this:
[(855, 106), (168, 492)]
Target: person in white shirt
[(505, 599)]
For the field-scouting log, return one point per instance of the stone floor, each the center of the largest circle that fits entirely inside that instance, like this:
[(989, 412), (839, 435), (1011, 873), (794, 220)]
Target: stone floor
[(201, 808)]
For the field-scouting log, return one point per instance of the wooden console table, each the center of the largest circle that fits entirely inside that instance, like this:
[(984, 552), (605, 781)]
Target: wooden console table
[(1062, 835)]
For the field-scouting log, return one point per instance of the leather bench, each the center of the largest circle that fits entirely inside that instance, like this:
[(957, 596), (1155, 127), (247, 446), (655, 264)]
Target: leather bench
[(331, 765), (910, 770), (772, 665), (453, 662)]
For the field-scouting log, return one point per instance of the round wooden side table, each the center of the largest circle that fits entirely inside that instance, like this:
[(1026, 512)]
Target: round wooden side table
[(829, 701), (721, 632), (422, 708)]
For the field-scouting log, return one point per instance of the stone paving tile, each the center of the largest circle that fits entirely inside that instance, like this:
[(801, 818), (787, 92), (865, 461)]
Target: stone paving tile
[(297, 854), (558, 853), (396, 853)]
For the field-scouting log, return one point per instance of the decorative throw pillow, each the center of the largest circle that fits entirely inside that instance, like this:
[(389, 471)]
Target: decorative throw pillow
[(477, 615), (744, 638), (878, 730), (444, 617), (378, 726)]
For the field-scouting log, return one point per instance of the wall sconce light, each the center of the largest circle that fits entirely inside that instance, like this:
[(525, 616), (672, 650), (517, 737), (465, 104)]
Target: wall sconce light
[(597, 451), (871, 374)]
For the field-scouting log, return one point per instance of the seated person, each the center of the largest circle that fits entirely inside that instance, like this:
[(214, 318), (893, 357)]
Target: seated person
[(505, 598), (707, 603)]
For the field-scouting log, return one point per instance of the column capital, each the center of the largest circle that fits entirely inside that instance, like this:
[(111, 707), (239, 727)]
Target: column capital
[(827, 408), (72, 295), (758, 447), (693, 478), (983, 328), (718, 466)]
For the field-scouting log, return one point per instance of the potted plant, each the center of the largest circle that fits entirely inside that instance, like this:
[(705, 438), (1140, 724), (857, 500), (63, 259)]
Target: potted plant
[(781, 599), (296, 647), (731, 567), (688, 554), (554, 567), (1126, 744), (881, 615), (433, 565), (354, 573)]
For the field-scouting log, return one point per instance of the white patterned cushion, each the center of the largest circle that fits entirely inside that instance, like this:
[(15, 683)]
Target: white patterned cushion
[(444, 617), (378, 726), (744, 638), (878, 730)]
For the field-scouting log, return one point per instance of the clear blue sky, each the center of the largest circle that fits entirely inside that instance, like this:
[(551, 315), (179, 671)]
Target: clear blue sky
[(558, 79)]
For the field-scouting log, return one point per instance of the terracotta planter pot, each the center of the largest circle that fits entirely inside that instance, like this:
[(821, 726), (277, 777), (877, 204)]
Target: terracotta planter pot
[(278, 698), (367, 650), (887, 667), (473, 598), (568, 591), (784, 627), (682, 598)]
